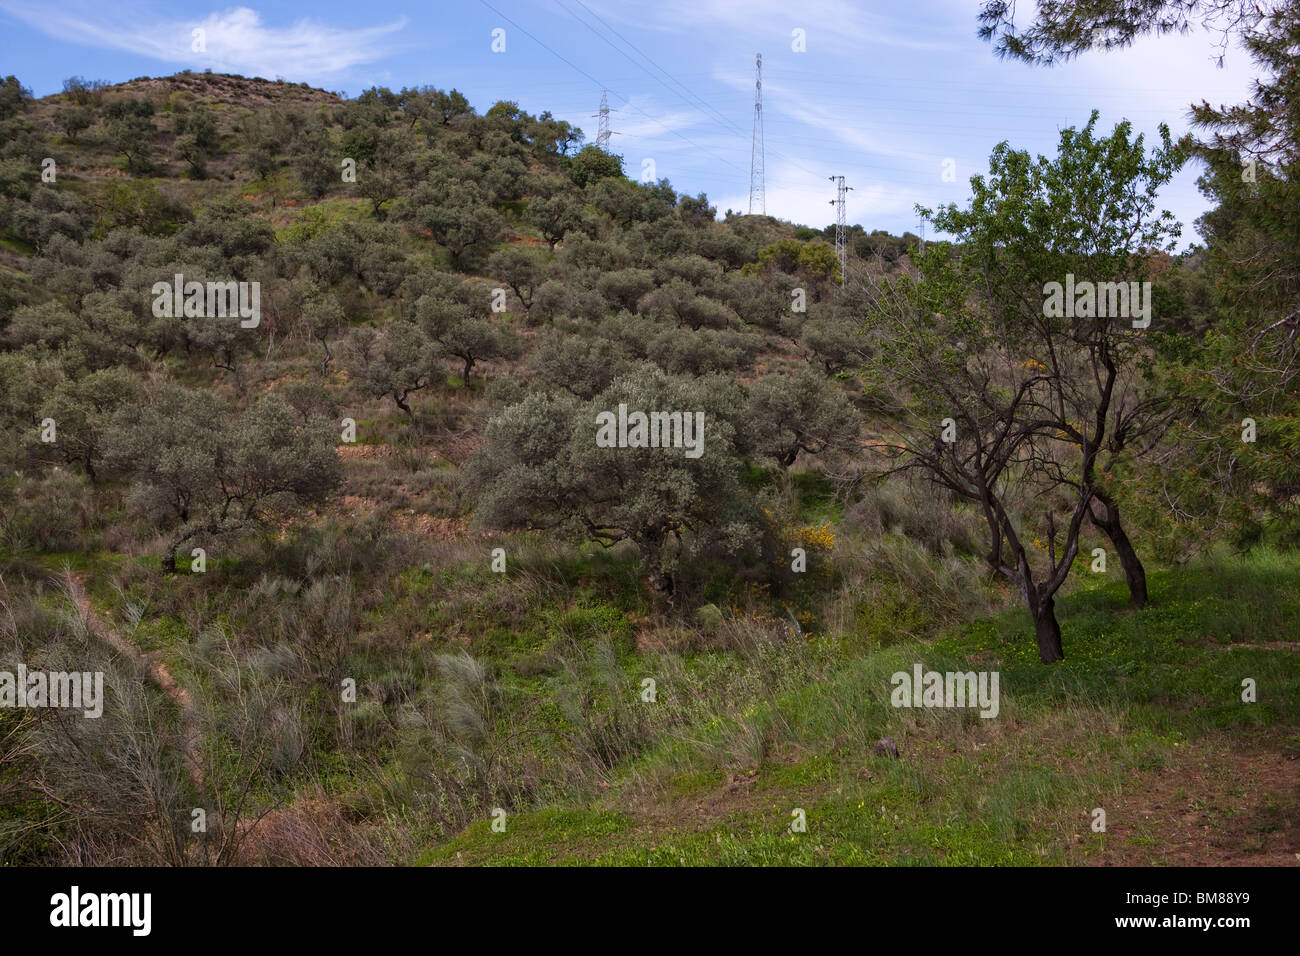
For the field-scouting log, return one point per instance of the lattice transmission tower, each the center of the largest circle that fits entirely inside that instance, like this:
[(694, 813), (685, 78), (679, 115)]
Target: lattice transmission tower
[(603, 135), (757, 187), (841, 225)]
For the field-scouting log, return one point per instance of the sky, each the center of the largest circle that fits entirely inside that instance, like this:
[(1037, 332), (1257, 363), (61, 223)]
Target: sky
[(902, 99)]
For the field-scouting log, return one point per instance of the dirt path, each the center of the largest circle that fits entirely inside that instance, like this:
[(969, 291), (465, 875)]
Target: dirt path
[(1227, 801), (158, 672)]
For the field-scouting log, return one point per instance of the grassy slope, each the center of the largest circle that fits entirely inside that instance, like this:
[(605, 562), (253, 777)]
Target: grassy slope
[(1142, 697), (1144, 717)]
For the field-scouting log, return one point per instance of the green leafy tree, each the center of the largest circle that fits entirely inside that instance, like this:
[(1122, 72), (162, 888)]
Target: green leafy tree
[(463, 330), (379, 185), (450, 106), (264, 135), (762, 302), (580, 365), (457, 217), (523, 270), (82, 410), (832, 342), (197, 140), (553, 135), (1246, 365), (14, 97), (325, 321), (416, 104), (47, 215), (624, 288), (197, 470), (799, 412), (542, 468), (395, 363), (553, 216), (685, 352), (139, 204), (678, 301), (626, 202), (131, 131), (592, 164), (314, 161), (1013, 405), (1215, 485), (1061, 30), (812, 260), (73, 120)]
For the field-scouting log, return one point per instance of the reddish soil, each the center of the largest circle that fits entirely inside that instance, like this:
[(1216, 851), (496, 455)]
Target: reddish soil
[(1226, 802)]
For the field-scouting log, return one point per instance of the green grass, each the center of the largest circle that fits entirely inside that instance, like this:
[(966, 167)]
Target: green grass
[(1135, 687), (747, 738), (321, 217)]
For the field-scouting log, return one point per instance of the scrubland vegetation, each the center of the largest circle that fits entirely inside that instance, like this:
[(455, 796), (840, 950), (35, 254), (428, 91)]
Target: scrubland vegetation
[(280, 543)]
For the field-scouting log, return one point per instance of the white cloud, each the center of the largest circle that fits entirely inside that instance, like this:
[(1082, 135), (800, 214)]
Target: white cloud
[(831, 26), (1162, 76), (792, 194), (236, 40), (828, 114), (640, 119)]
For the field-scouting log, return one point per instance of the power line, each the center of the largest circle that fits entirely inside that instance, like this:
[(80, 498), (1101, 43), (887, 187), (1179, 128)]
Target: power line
[(689, 94), (602, 86)]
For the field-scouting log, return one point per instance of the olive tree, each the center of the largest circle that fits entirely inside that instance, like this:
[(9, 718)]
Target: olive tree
[(581, 365), (82, 410), (458, 217), (542, 466), (799, 412), (395, 363), (131, 131), (522, 270), (553, 216), (461, 328), (197, 469)]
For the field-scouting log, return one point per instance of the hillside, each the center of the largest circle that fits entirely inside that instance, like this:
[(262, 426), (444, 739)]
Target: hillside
[(364, 580)]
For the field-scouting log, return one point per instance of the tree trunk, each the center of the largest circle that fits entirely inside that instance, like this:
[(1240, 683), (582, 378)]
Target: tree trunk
[(400, 399), (169, 559), (661, 579), (1047, 631), (1109, 522), (662, 583)]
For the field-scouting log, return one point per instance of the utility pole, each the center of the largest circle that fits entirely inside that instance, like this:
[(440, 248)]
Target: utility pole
[(841, 225), (757, 190), (602, 137)]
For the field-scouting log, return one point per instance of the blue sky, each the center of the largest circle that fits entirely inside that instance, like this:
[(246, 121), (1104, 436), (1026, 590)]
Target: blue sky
[(884, 92)]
